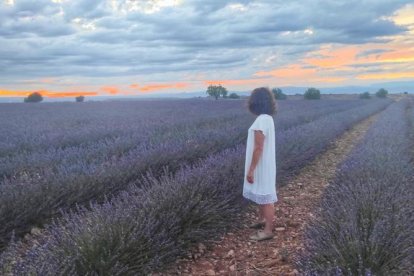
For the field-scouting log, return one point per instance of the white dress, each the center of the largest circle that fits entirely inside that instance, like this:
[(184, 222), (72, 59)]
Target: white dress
[(263, 189)]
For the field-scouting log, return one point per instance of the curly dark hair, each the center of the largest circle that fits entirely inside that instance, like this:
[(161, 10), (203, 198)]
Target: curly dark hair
[(262, 101)]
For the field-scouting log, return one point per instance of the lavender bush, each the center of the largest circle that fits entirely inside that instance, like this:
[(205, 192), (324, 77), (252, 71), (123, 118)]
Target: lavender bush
[(96, 131), (35, 128), (63, 176), (131, 136), (144, 228), (365, 221), (64, 185), (295, 147), (158, 218)]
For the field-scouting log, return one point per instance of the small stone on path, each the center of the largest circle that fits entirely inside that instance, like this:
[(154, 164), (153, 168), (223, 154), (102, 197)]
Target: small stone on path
[(210, 272), (230, 254)]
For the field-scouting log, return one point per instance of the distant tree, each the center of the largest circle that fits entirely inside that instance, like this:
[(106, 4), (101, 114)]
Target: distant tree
[(223, 91), (365, 95), (80, 99), (216, 91), (382, 93), (312, 94), (234, 96), (279, 95), (405, 93), (34, 97)]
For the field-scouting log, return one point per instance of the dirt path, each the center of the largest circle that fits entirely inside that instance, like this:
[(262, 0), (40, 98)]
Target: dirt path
[(234, 254)]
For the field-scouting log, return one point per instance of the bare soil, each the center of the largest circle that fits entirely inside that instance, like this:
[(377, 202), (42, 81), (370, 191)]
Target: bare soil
[(234, 254)]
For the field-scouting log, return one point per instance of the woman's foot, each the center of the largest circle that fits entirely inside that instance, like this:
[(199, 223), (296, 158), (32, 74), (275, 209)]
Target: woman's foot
[(257, 225), (261, 236)]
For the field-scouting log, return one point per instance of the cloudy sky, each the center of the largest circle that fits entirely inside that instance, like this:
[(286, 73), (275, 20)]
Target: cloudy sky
[(135, 47)]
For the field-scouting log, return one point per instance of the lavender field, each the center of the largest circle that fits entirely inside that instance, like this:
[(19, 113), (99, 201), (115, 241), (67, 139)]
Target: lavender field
[(366, 218), (125, 188)]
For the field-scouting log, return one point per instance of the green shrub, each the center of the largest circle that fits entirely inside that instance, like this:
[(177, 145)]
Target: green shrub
[(234, 96), (80, 99), (382, 93), (365, 95), (312, 94), (34, 97), (279, 95)]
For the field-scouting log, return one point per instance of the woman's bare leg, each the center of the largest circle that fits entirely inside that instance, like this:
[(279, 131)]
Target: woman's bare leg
[(268, 212), (261, 216)]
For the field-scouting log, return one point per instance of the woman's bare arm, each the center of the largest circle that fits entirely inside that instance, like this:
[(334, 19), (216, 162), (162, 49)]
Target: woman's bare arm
[(257, 153)]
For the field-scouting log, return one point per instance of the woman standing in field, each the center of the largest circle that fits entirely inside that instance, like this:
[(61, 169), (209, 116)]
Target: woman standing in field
[(260, 167)]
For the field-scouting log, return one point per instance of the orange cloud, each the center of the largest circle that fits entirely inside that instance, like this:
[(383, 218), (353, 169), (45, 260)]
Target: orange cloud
[(155, 87), (68, 94), (345, 58), (134, 86), (333, 57), (11, 93), (233, 82), (110, 89), (399, 75), (399, 55), (44, 93), (292, 71), (297, 74), (340, 58)]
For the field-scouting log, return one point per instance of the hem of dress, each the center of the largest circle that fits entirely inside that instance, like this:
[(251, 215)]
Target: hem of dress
[(260, 199)]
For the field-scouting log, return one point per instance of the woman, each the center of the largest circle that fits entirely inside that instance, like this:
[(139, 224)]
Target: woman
[(260, 167)]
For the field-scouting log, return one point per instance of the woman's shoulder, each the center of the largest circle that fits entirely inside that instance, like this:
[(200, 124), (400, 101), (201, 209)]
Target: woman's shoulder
[(263, 121), (265, 117)]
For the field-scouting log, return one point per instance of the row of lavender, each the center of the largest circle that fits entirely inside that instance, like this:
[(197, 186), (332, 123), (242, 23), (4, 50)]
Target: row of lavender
[(123, 136), (61, 125), (366, 218), (158, 218), (38, 185)]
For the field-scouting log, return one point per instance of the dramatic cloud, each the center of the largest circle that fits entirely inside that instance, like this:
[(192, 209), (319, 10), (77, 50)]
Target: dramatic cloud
[(183, 45)]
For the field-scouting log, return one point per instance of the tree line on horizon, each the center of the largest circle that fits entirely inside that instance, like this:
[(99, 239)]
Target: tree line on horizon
[(312, 93), (218, 91)]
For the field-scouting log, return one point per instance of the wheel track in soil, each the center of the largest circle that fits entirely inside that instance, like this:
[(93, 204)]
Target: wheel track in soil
[(234, 254)]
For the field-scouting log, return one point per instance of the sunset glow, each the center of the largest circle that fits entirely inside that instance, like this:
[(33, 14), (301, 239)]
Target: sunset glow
[(387, 76), (45, 93), (157, 87), (110, 90), (130, 48)]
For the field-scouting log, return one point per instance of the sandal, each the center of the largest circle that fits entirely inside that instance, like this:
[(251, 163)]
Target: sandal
[(261, 236), (257, 225)]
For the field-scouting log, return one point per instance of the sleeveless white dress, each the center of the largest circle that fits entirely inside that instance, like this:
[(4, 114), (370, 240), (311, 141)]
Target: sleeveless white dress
[(263, 189)]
